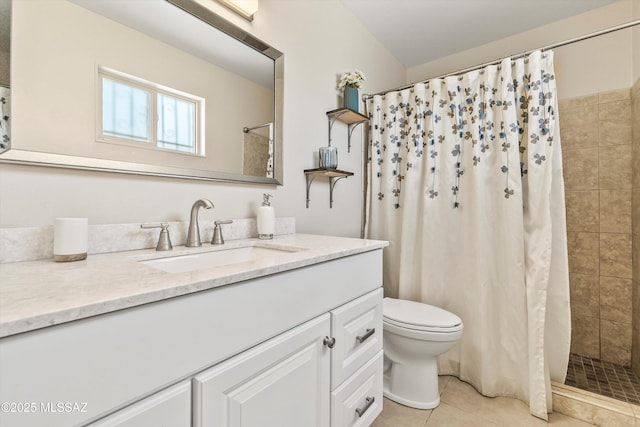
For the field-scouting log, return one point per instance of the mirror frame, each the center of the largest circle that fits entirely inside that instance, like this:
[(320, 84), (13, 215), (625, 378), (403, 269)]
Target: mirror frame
[(34, 158)]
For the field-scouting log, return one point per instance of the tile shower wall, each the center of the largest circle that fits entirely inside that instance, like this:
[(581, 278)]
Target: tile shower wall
[(596, 132), (635, 353)]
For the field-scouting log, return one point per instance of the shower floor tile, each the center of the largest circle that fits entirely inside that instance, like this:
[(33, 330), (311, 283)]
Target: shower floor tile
[(604, 378)]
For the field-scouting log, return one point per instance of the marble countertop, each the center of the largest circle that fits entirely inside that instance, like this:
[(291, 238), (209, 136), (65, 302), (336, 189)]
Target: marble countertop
[(39, 294)]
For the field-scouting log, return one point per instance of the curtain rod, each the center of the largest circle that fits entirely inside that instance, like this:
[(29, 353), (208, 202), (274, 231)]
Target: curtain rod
[(515, 56)]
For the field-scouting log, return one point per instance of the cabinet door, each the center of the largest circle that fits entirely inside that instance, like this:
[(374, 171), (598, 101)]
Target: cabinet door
[(283, 382), (357, 328), (168, 408), (358, 401)]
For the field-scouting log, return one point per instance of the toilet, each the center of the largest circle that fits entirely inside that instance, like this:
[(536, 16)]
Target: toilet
[(414, 335)]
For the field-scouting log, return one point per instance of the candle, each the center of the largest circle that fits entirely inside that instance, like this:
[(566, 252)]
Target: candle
[(70, 239)]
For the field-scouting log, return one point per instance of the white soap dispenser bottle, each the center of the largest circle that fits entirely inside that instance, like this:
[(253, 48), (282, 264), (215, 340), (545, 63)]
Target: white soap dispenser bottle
[(266, 218)]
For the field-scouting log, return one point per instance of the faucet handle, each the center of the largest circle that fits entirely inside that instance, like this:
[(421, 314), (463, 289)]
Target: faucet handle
[(164, 241), (217, 232)]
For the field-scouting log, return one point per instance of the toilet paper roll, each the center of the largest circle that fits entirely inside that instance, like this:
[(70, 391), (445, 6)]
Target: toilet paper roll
[(70, 239)]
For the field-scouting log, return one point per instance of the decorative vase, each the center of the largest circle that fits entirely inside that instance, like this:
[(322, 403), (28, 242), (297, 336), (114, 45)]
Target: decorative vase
[(351, 98)]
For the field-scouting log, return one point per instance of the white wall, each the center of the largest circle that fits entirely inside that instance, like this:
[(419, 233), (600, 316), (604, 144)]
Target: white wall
[(320, 39), (600, 64)]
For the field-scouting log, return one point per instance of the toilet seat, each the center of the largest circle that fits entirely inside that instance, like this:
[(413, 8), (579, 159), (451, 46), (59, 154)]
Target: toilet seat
[(419, 316)]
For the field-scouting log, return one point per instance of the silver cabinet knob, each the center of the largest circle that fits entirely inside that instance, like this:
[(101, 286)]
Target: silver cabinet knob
[(329, 342)]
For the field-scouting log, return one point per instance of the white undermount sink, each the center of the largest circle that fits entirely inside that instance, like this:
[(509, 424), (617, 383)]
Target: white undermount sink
[(217, 258)]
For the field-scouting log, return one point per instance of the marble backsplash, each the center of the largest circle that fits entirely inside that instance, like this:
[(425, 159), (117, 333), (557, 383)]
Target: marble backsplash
[(36, 243)]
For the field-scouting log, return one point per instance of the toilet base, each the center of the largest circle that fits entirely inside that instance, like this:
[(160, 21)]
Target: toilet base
[(410, 403), (415, 386)]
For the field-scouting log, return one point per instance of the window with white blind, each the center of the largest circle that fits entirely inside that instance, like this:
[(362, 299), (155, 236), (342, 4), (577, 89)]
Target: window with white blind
[(143, 113)]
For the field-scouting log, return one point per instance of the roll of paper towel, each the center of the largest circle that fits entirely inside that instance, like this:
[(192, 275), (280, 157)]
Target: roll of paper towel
[(70, 239)]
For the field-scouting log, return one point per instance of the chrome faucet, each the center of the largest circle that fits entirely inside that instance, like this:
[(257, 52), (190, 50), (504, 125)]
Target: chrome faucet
[(193, 234)]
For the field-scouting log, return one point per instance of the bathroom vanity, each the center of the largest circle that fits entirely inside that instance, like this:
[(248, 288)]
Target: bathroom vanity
[(289, 338)]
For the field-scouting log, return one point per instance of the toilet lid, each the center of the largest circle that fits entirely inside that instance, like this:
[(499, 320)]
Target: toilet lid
[(418, 315)]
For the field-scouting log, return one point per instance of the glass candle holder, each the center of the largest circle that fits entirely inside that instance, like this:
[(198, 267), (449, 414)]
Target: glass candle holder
[(328, 158)]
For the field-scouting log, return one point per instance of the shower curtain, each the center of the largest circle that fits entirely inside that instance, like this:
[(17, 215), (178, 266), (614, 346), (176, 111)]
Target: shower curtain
[(465, 181)]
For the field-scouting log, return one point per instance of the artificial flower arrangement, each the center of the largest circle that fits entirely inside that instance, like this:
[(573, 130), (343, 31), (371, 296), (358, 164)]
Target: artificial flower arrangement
[(351, 79)]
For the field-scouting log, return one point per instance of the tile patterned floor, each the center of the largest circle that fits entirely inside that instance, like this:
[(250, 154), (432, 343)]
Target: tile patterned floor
[(604, 378), (461, 405)]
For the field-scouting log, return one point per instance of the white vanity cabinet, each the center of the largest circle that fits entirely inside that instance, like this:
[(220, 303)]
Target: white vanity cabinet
[(326, 372), (281, 383), (256, 348)]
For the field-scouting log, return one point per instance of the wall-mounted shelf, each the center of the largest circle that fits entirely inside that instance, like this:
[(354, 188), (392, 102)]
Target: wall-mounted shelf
[(334, 176), (348, 116)]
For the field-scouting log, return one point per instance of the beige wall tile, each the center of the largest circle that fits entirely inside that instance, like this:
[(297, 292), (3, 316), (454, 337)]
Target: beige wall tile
[(635, 340), (615, 342), (585, 336), (635, 119), (615, 211), (635, 215), (617, 112), (635, 362), (635, 162), (614, 167), (581, 169), (583, 253), (612, 133), (635, 110), (615, 123), (635, 89), (585, 295), (636, 257), (616, 299), (579, 127), (571, 103), (614, 95), (583, 210), (615, 255)]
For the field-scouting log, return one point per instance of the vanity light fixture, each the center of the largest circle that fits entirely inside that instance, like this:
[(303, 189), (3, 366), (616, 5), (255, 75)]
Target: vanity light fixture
[(244, 8)]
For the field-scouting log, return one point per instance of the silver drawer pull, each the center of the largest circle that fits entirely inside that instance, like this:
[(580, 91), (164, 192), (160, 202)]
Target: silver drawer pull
[(369, 401), (329, 342), (367, 334)]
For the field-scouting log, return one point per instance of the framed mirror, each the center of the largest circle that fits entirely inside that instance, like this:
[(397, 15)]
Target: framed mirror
[(154, 87)]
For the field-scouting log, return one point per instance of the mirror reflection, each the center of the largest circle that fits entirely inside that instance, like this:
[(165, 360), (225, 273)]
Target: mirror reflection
[(144, 86)]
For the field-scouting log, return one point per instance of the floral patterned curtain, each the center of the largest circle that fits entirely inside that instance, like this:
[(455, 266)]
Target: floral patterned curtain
[(5, 115), (465, 181)]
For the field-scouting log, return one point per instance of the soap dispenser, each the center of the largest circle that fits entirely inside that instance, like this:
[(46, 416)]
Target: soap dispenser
[(266, 218)]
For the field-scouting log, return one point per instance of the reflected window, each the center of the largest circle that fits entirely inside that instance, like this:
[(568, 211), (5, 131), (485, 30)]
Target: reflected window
[(147, 114), (125, 111), (176, 123)]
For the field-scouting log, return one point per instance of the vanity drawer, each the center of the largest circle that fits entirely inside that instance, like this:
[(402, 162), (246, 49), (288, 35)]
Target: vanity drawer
[(357, 329), (358, 401)]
